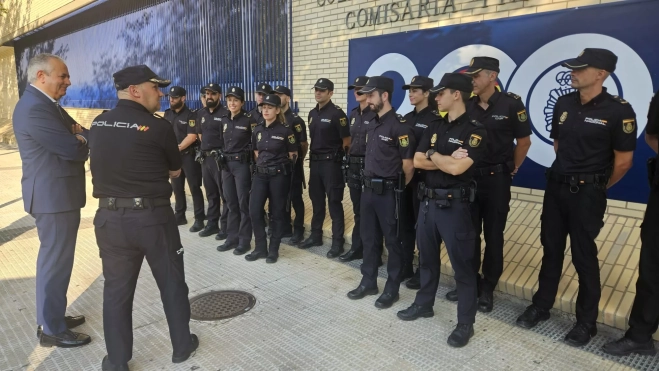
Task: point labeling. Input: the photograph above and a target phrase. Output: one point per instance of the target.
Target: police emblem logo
(522, 116)
(298, 128)
(433, 139)
(225, 128)
(291, 138)
(352, 122)
(203, 119)
(321, 80)
(475, 140)
(254, 125)
(628, 126)
(563, 118)
(258, 137)
(172, 90)
(413, 78)
(233, 90)
(262, 86)
(404, 141)
(343, 121)
(357, 80)
(191, 123)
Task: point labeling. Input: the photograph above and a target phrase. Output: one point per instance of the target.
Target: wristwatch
(430, 153)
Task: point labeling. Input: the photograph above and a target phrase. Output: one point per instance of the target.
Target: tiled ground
(302, 319)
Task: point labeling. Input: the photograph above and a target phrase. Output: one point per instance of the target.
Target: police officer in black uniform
(330, 137)
(135, 153)
(362, 119)
(183, 121)
(237, 126)
(418, 119)
(644, 317)
(389, 167)
(594, 137)
(275, 149)
(261, 91)
(446, 192)
(295, 123)
(506, 121)
(209, 129)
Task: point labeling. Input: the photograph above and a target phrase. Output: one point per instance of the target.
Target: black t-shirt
(273, 142)
(237, 132)
(327, 126)
(445, 138)
(210, 128)
(256, 114)
(505, 120)
(588, 133)
(132, 152)
(183, 122)
(361, 121)
(388, 143)
(419, 121)
(652, 127)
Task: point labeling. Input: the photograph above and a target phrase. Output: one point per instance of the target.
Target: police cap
(264, 88)
(324, 84)
(422, 82)
(135, 75)
(378, 82)
(176, 92)
(360, 81)
(214, 87)
(590, 57)
(454, 81)
(478, 64)
(272, 100)
(281, 89)
(237, 92)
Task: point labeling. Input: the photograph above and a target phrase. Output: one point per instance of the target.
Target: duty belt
(211, 152)
(325, 157)
(357, 160)
(274, 170)
(138, 203)
(491, 170)
(387, 184)
(578, 179)
(461, 193)
(240, 156)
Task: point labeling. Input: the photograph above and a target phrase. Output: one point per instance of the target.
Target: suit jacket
(53, 158)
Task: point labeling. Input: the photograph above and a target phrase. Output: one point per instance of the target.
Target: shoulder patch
(191, 123)
(476, 123)
(401, 119)
(291, 139)
(475, 140)
(619, 100)
(513, 95)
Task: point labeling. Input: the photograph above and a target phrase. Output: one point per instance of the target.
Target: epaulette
(337, 106)
(248, 114)
(401, 118)
(194, 110)
(158, 116)
(476, 123)
(619, 100)
(513, 95)
(434, 112)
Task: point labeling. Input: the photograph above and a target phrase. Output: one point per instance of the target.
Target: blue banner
(530, 50)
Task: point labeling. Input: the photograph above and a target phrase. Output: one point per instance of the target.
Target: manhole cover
(216, 305)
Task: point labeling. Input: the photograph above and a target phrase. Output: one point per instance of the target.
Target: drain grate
(217, 305)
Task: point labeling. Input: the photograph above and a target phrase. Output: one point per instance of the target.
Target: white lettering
(385, 139)
(595, 121)
(325, 120)
(276, 137)
(454, 141)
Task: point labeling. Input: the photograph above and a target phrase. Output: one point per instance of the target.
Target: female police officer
(235, 161)
(274, 146)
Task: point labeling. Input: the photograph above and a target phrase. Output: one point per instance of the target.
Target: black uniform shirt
(183, 122)
(652, 127)
(505, 119)
(210, 127)
(296, 124)
(588, 133)
(389, 142)
(328, 126)
(445, 138)
(256, 114)
(419, 121)
(273, 142)
(361, 121)
(237, 132)
(133, 152)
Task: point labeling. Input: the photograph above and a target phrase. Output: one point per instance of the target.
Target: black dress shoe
(71, 322)
(181, 221)
(221, 236)
(271, 259)
(580, 334)
(209, 230)
(414, 312)
(227, 246)
(311, 241)
(452, 295)
(241, 250)
(461, 335)
(414, 283)
(297, 237)
(386, 300)
(627, 346)
(178, 358)
(351, 255)
(255, 255)
(531, 316)
(335, 251)
(362, 291)
(197, 226)
(107, 366)
(486, 301)
(66, 339)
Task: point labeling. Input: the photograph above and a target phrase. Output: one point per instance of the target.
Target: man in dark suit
(53, 151)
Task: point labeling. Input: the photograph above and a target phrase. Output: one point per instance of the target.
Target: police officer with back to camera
(389, 167)
(594, 137)
(330, 138)
(295, 123)
(135, 153)
(261, 91)
(418, 119)
(362, 119)
(506, 121)
(209, 129)
(644, 317)
(235, 161)
(183, 121)
(446, 193)
(276, 152)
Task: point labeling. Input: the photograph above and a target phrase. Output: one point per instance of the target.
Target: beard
(376, 108)
(176, 106)
(210, 103)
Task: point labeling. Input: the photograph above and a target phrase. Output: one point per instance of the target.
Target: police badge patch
(628, 126)
(404, 141)
(521, 115)
(352, 122)
(563, 118)
(191, 123)
(203, 119)
(225, 128)
(291, 138)
(433, 139)
(343, 121)
(475, 140)
(258, 137)
(298, 128)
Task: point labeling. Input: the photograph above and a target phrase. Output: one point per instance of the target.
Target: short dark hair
(384, 91)
(465, 95)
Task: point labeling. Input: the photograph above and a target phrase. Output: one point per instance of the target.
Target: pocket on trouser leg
(336, 193)
(465, 240)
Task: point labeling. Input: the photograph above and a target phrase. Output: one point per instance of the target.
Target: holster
(199, 156)
(378, 186)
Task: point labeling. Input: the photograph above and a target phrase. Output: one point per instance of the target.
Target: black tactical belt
(578, 179)
(462, 193)
(387, 184)
(491, 170)
(273, 170)
(240, 156)
(321, 157)
(209, 153)
(139, 203)
(357, 160)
